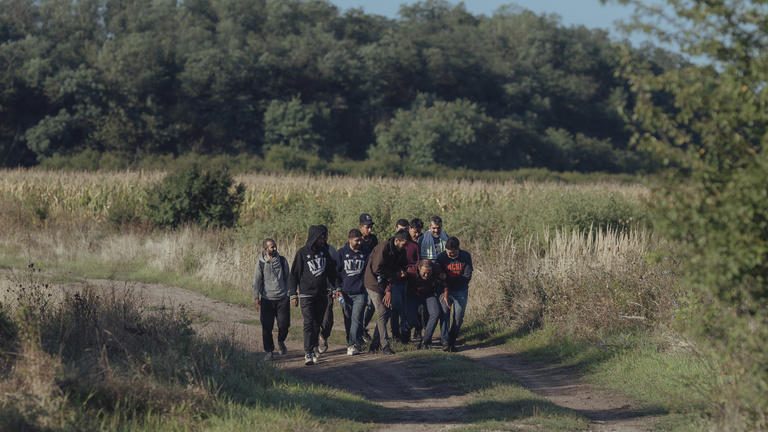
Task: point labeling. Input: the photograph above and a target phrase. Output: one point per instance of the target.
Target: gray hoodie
(271, 280)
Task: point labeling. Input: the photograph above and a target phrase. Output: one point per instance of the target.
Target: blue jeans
(433, 307)
(354, 309)
(398, 312)
(457, 305)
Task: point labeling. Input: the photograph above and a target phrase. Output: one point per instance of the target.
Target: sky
(590, 13)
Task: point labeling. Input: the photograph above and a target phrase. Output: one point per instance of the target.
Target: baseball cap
(366, 219)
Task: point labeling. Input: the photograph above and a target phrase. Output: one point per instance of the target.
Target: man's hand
(444, 298)
(387, 300)
(257, 303)
(295, 301)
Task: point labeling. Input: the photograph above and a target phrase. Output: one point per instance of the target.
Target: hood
(315, 231)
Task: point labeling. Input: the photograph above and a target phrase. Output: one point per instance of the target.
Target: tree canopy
(139, 77)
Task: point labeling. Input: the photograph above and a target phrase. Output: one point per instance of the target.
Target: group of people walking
(408, 283)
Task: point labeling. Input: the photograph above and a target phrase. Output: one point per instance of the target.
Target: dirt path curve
(413, 404)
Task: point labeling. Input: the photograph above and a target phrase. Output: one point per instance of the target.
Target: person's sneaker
(373, 349)
(387, 350)
(283, 348)
(268, 356)
(315, 359)
(308, 359)
(322, 347)
(450, 348)
(352, 350)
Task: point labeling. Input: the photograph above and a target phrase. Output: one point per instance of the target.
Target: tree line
(267, 77)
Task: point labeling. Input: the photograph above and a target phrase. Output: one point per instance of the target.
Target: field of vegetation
(567, 265)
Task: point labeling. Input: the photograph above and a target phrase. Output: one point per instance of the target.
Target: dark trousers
(432, 306)
(312, 310)
(327, 325)
(270, 311)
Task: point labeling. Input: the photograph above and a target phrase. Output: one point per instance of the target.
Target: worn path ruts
(391, 382)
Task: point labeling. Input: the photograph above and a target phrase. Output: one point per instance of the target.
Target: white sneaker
(352, 350)
(322, 347)
(308, 359)
(268, 356)
(315, 359)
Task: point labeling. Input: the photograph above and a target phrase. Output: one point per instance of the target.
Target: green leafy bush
(207, 198)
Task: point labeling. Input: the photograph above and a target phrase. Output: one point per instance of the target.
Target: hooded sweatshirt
(351, 269)
(458, 271)
(384, 266)
(313, 270)
(271, 279)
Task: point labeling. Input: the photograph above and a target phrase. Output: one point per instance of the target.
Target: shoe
(308, 359)
(450, 348)
(322, 347)
(367, 337)
(404, 338)
(373, 349)
(352, 350)
(387, 350)
(283, 348)
(315, 359)
(268, 356)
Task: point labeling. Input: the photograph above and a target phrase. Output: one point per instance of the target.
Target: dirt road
(390, 381)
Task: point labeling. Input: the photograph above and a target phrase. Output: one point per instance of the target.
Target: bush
(206, 198)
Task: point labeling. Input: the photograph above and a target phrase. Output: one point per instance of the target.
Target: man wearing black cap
(366, 227)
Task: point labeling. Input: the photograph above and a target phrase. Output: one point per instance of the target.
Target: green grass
(496, 401)
(654, 368)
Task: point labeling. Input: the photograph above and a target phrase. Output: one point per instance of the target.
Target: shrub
(207, 198)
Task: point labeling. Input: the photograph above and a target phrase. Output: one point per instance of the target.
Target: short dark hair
(354, 233)
(403, 222)
(452, 243)
(425, 263)
(267, 240)
(437, 220)
(402, 235)
(417, 223)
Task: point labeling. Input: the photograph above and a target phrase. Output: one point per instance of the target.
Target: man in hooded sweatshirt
(351, 292)
(386, 265)
(326, 326)
(270, 293)
(313, 273)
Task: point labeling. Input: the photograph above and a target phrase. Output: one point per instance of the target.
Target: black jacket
(313, 271)
(384, 266)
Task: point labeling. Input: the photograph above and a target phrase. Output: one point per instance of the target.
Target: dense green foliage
(715, 203)
(439, 84)
(204, 197)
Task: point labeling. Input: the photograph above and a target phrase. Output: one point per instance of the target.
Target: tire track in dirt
(410, 402)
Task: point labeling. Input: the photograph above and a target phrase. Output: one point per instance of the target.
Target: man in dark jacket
(326, 326)
(312, 274)
(351, 292)
(425, 282)
(369, 242)
(415, 228)
(386, 264)
(457, 266)
(270, 292)
(398, 321)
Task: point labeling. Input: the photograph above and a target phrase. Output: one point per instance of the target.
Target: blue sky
(590, 13)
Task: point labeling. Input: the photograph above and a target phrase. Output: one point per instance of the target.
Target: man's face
(355, 243)
(425, 272)
(271, 249)
(452, 253)
(435, 229)
(321, 240)
(415, 233)
(399, 243)
(366, 229)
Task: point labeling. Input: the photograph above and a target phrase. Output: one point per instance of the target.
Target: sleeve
(339, 272)
(467, 274)
(378, 268)
(258, 281)
(331, 274)
(293, 281)
(286, 269)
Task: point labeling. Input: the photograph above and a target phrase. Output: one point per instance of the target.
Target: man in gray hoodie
(270, 292)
